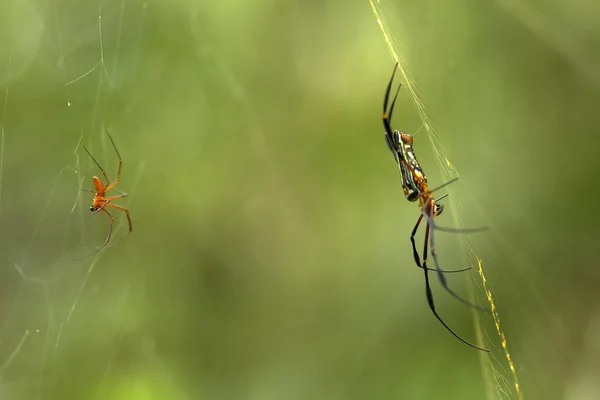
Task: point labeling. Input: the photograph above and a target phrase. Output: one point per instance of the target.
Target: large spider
(414, 185)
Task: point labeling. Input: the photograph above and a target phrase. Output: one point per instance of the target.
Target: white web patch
(55, 67)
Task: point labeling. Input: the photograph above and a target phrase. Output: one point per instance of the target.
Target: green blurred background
(270, 254)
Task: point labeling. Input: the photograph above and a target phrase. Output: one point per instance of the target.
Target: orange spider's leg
(126, 211)
(112, 220)
(96, 162)
(112, 185)
(109, 198)
(120, 164)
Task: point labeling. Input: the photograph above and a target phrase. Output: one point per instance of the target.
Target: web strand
(449, 168)
(6, 93)
(47, 299)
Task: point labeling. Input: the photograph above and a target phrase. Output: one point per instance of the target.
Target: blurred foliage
(270, 254)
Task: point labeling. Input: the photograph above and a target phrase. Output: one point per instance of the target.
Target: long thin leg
(441, 198)
(394, 103)
(442, 278)
(416, 253)
(101, 169)
(429, 296)
(440, 186)
(386, 121)
(458, 230)
(437, 227)
(109, 198)
(120, 164)
(389, 134)
(112, 220)
(120, 192)
(126, 211)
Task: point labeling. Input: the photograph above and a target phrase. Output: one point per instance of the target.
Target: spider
(414, 185)
(101, 202)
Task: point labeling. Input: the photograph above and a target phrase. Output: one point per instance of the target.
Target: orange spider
(101, 202)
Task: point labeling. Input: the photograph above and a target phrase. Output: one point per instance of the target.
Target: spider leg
(441, 198)
(116, 151)
(109, 198)
(454, 230)
(110, 186)
(394, 103)
(442, 278)
(386, 121)
(112, 220)
(430, 302)
(416, 253)
(120, 192)
(435, 189)
(126, 211)
(458, 230)
(446, 229)
(96, 162)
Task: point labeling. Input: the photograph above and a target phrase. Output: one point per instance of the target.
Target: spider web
(68, 70)
(254, 262)
(499, 367)
(483, 81)
(75, 327)
(80, 64)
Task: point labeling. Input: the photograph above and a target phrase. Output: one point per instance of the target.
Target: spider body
(101, 202)
(414, 181)
(414, 185)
